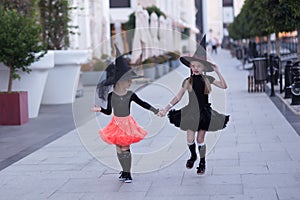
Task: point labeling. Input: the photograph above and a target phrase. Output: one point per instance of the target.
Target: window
(227, 3)
(119, 3)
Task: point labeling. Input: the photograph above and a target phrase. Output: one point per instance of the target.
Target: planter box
(150, 72)
(63, 79)
(166, 67)
(92, 77)
(33, 83)
(159, 70)
(13, 108)
(174, 64)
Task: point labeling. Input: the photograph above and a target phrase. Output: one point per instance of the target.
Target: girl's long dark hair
(103, 90)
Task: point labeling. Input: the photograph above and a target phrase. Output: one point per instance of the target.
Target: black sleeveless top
(196, 95)
(121, 104)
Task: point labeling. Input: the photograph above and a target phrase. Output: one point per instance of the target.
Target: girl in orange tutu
(122, 130)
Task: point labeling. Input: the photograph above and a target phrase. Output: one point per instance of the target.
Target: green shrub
(20, 42)
(161, 59)
(24, 7)
(99, 65)
(55, 19)
(130, 24)
(104, 56)
(149, 62)
(174, 55)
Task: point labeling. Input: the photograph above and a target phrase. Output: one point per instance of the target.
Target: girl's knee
(125, 148)
(190, 136)
(122, 148)
(200, 140)
(201, 136)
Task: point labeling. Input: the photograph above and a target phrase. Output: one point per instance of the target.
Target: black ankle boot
(190, 162)
(128, 178)
(201, 167)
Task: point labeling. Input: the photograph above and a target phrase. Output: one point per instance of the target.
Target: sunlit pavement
(256, 157)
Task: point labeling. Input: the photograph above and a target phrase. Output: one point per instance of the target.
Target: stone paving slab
(255, 157)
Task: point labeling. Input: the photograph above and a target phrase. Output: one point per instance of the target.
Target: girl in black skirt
(197, 115)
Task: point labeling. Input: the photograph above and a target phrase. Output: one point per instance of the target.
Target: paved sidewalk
(16, 142)
(256, 157)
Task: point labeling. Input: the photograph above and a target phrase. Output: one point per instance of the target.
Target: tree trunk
(261, 50)
(269, 44)
(11, 74)
(277, 45)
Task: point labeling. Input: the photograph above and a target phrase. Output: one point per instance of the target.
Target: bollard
(288, 79)
(295, 87)
(271, 75)
(251, 83)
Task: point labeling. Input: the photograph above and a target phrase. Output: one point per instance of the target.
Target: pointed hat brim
(186, 60)
(129, 75)
(199, 56)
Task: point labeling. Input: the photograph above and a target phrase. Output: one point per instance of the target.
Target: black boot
(128, 178)
(201, 167)
(190, 162)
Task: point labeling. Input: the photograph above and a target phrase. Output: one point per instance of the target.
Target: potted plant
(160, 65)
(63, 79)
(174, 59)
(166, 64)
(20, 47)
(92, 72)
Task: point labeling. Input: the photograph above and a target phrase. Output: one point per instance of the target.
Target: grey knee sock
(202, 152)
(125, 160)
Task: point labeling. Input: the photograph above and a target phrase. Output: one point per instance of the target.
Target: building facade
(99, 22)
(217, 15)
(92, 19)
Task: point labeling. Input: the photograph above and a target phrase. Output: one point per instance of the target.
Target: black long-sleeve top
(121, 104)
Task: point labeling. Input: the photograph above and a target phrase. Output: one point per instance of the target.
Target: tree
(130, 24)
(54, 18)
(293, 19)
(263, 17)
(24, 7)
(20, 42)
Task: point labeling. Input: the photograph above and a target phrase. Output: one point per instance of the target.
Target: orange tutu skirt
(122, 131)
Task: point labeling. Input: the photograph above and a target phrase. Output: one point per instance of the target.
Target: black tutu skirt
(206, 118)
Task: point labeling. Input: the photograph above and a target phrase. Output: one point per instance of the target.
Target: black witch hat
(115, 72)
(199, 56)
(123, 71)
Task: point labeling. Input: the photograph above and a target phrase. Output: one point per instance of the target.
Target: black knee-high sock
(202, 152)
(192, 148)
(125, 160)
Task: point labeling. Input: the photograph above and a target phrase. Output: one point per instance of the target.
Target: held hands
(162, 113)
(96, 109)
